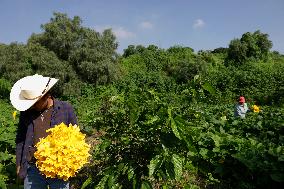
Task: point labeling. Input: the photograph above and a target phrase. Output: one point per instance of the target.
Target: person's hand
(19, 180)
(18, 170)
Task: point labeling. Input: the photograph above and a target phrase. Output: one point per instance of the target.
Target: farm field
(156, 118)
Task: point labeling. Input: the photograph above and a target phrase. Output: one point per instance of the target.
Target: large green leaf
(102, 183)
(178, 164)
(155, 164)
(279, 177)
(130, 173)
(170, 169)
(146, 185)
(87, 183)
(206, 86)
(173, 124)
(175, 129)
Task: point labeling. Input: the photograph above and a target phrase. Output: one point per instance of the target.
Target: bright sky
(199, 24)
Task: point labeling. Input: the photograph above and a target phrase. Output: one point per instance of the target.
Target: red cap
(242, 99)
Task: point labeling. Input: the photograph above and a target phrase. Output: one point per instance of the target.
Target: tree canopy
(251, 46)
(91, 54)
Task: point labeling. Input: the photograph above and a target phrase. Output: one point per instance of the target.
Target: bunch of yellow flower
(255, 108)
(63, 152)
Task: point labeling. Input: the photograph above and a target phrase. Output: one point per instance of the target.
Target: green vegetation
(7, 145)
(157, 118)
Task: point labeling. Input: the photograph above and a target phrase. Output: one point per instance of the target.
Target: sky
(199, 24)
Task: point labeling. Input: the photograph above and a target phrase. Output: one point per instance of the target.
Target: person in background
(241, 108)
(39, 111)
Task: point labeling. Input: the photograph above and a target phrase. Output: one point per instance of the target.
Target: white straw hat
(28, 90)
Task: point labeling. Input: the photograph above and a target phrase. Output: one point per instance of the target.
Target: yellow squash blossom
(14, 114)
(255, 108)
(63, 152)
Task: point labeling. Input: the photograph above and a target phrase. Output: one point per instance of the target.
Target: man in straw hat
(39, 112)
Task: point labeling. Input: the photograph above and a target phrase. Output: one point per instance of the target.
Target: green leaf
(105, 144)
(203, 152)
(161, 174)
(206, 86)
(155, 164)
(146, 185)
(278, 149)
(178, 164)
(259, 123)
(281, 158)
(192, 150)
(3, 179)
(164, 187)
(4, 156)
(195, 78)
(222, 130)
(170, 169)
(170, 113)
(120, 167)
(175, 129)
(134, 113)
(130, 173)
(134, 183)
(217, 140)
(181, 123)
(87, 182)
(152, 120)
(235, 122)
(111, 181)
(279, 177)
(102, 183)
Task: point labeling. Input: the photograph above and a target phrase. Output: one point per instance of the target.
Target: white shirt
(241, 110)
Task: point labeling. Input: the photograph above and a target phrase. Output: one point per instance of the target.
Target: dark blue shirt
(62, 112)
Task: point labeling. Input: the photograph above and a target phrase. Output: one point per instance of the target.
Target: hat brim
(21, 103)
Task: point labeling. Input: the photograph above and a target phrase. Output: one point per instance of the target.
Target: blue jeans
(35, 180)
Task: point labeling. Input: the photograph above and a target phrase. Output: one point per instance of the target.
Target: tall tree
(61, 35)
(251, 46)
(92, 54)
(18, 60)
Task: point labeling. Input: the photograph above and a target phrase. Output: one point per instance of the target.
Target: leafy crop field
(156, 118)
(7, 145)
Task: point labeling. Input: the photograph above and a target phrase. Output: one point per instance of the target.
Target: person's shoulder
(63, 104)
